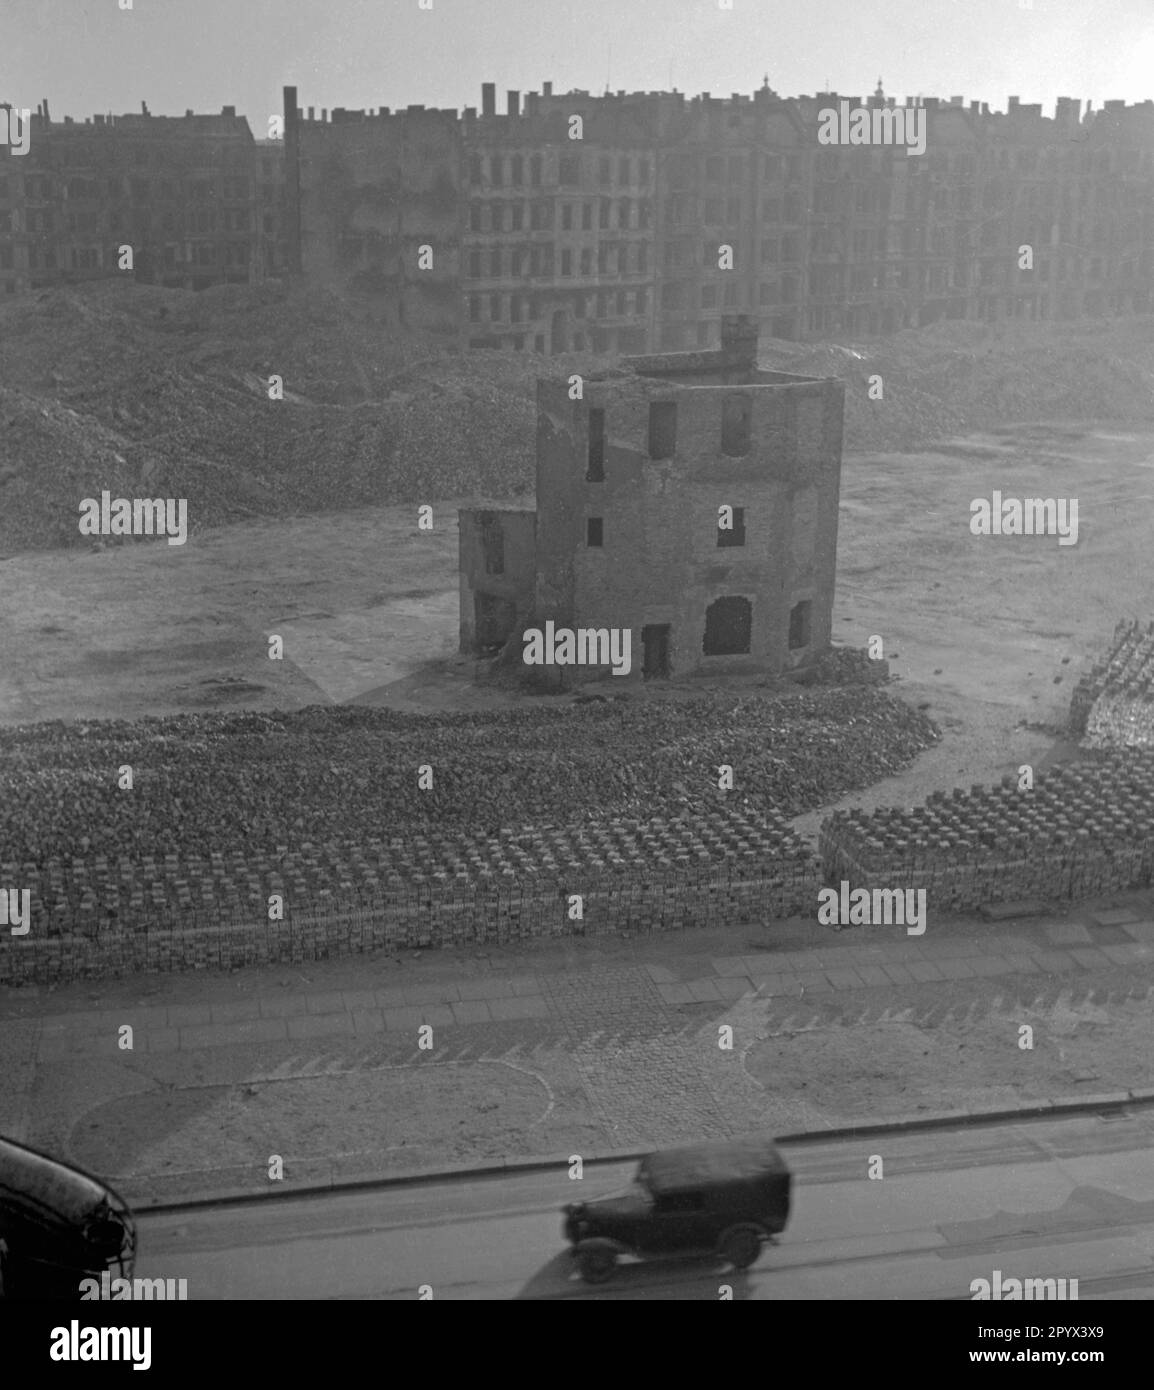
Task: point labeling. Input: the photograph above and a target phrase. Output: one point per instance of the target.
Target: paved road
(1043, 1199)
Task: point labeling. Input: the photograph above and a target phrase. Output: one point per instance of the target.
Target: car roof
(56, 1192)
(730, 1160)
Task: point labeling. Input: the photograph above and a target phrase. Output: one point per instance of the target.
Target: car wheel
(596, 1263)
(740, 1246)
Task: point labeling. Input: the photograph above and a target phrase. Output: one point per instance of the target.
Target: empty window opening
(492, 544)
(662, 429)
(735, 416)
(594, 530)
(799, 624)
(596, 470)
(735, 533)
(655, 642)
(728, 622)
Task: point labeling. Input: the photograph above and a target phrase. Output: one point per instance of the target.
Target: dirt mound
(157, 392)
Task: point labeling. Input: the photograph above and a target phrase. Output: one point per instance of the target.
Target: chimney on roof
(228, 110)
(47, 117)
(188, 114)
(513, 103)
(144, 108)
(739, 334)
(1013, 103)
(291, 110)
(547, 89)
(488, 98)
(311, 110)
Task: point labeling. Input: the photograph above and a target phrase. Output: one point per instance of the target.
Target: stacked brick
(736, 865)
(1083, 830)
(1113, 704)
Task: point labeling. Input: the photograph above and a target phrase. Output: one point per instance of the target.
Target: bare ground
(989, 633)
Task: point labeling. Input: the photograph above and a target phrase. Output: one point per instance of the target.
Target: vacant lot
(990, 632)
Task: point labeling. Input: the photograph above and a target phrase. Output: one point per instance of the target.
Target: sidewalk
(571, 1046)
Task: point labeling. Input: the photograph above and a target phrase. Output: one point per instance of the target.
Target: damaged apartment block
(688, 497)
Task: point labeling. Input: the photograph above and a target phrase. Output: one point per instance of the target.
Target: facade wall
(826, 239)
(373, 191)
(610, 243)
(502, 573)
(183, 191)
(558, 232)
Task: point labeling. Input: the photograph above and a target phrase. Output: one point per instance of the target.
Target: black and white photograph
(576, 667)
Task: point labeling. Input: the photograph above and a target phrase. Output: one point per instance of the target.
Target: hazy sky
(90, 56)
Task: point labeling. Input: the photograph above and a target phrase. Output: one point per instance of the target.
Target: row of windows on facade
(683, 209)
(728, 629)
(539, 216)
(167, 224)
(863, 241)
(234, 254)
(838, 202)
(736, 414)
(42, 188)
(510, 170)
(729, 620)
(515, 308)
(727, 536)
(838, 280)
(686, 169)
(612, 258)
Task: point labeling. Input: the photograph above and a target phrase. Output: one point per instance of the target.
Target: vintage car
(724, 1198)
(58, 1225)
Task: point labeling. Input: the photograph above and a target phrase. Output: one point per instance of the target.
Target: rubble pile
(1082, 830)
(226, 809)
(1113, 704)
(148, 391)
(955, 377)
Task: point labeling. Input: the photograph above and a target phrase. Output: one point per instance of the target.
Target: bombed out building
(689, 498)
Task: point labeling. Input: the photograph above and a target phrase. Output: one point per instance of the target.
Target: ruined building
(501, 229)
(690, 498)
(613, 242)
(197, 199)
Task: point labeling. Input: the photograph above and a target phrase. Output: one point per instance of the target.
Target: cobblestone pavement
(570, 1047)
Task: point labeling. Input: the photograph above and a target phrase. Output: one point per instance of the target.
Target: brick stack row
(737, 864)
(1083, 830)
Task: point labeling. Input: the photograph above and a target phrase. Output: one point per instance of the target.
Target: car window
(672, 1202)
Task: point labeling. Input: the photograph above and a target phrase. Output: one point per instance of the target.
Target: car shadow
(694, 1278)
